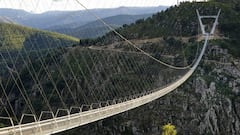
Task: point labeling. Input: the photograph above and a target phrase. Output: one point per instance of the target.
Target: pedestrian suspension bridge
(60, 89)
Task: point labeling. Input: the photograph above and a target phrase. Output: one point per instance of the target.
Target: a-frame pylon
(200, 17)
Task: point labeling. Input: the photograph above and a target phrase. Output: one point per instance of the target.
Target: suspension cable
(131, 43)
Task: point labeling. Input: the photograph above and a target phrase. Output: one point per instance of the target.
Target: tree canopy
(169, 129)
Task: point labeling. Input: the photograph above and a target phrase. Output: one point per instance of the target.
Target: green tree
(169, 129)
(1, 125)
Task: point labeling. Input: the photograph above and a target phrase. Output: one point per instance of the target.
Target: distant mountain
(96, 28)
(14, 36)
(6, 20)
(14, 14)
(71, 18)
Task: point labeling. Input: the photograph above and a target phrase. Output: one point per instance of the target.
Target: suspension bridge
(71, 113)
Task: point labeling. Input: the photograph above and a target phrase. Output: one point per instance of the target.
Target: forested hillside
(108, 68)
(208, 102)
(14, 36)
(182, 21)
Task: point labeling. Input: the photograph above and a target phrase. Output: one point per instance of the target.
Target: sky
(39, 6)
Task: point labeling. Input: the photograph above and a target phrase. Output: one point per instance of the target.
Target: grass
(14, 36)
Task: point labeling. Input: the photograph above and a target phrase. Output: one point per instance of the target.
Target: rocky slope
(206, 104)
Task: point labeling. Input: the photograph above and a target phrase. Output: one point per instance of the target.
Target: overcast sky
(38, 6)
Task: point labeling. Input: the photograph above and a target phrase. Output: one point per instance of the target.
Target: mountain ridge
(6, 20)
(96, 29)
(82, 17)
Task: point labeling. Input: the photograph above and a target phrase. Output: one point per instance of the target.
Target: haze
(39, 6)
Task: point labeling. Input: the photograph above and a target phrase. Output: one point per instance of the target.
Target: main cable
(131, 43)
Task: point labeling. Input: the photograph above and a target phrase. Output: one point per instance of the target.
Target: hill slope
(207, 103)
(6, 20)
(76, 18)
(96, 28)
(177, 21)
(15, 37)
(182, 21)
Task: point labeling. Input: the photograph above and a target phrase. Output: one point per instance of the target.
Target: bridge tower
(203, 26)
